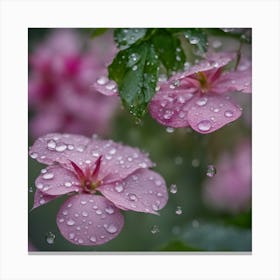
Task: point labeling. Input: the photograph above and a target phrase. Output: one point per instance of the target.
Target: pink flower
(61, 96)
(102, 177)
(230, 188)
(197, 97)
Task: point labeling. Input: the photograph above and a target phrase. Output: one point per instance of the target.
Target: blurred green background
(182, 157)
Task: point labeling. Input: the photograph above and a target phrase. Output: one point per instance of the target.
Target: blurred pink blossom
(230, 188)
(85, 168)
(61, 96)
(198, 97)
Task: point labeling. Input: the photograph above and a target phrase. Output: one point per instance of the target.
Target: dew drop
(98, 212)
(111, 229)
(71, 235)
(181, 115)
(42, 201)
(155, 229)
(83, 202)
(34, 155)
(92, 239)
(211, 171)
(48, 176)
(50, 237)
(173, 189)
(204, 125)
(110, 86)
(61, 148)
(51, 144)
(43, 171)
(158, 183)
(169, 129)
(119, 188)
(112, 151)
(134, 68)
(179, 210)
(67, 184)
(202, 101)
(30, 189)
(80, 241)
(70, 147)
(39, 186)
(102, 80)
(70, 222)
(109, 210)
(228, 114)
(84, 214)
(132, 197)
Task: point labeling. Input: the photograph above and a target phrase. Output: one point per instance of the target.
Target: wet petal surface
(87, 219)
(56, 180)
(142, 191)
(41, 198)
(210, 113)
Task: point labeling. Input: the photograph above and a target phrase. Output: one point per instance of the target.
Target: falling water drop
(155, 229)
(179, 210)
(50, 237)
(211, 171)
(173, 189)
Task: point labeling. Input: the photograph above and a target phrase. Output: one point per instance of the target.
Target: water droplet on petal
(98, 212)
(112, 151)
(202, 101)
(211, 171)
(42, 201)
(34, 155)
(102, 80)
(61, 148)
(80, 241)
(48, 176)
(110, 86)
(173, 188)
(43, 171)
(51, 144)
(155, 229)
(50, 237)
(228, 114)
(92, 239)
(169, 129)
(158, 183)
(204, 125)
(70, 147)
(109, 210)
(71, 235)
(179, 210)
(132, 197)
(119, 188)
(70, 222)
(84, 213)
(83, 202)
(111, 229)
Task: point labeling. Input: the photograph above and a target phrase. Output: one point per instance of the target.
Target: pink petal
(41, 199)
(106, 86)
(210, 113)
(234, 81)
(118, 161)
(213, 61)
(143, 191)
(87, 219)
(56, 147)
(56, 180)
(170, 107)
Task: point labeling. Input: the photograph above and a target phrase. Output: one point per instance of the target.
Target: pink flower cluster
(61, 97)
(101, 178)
(230, 189)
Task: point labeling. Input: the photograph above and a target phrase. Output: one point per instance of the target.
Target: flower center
(89, 177)
(203, 81)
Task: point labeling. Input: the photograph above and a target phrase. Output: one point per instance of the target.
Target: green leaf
(94, 32)
(197, 38)
(135, 70)
(125, 37)
(168, 47)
